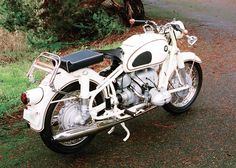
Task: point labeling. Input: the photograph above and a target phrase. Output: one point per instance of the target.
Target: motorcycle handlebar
(178, 28)
(132, 21)
(175, 26)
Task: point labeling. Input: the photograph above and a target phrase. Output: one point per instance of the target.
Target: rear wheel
(182, 101)
(64, 116)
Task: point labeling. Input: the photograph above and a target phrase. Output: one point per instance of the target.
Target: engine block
(132, 87)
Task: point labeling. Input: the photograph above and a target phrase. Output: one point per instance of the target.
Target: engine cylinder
(131, 87)
(127, 97)
(159, 98)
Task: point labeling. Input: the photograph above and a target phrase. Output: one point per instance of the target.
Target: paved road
(216, 13)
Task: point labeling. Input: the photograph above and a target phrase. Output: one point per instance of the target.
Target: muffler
(85, 131)
(97, 127)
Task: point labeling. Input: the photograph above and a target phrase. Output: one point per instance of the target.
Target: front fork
(181, 72)
(175, 63)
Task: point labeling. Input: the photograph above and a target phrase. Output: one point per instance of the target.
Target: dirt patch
(9, 119)
(5, 60)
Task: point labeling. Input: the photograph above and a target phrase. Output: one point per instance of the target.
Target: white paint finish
(190, 56)
(35, 95)
(137, 44)
(35, 114)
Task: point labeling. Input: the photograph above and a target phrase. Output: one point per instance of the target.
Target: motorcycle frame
(59, 79)
(173, 62)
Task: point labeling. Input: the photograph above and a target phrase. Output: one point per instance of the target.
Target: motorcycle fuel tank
(144, 50)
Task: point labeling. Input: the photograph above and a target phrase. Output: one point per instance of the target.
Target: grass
(15, 60)
(15, 150)
(13, 82)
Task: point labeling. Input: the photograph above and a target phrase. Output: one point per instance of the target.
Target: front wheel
(182, 101)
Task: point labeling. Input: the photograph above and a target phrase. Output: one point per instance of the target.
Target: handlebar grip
(132, 21)
(141, 21)
(178, 28)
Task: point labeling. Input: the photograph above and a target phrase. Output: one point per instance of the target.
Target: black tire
(47, 133)
(174, 109)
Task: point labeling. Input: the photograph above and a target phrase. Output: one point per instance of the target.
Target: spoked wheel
(64, 116)
(182, 101)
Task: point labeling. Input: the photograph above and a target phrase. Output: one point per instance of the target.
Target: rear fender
(35, 114)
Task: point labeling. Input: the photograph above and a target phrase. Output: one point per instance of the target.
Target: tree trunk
(129, 9)
(134, 9)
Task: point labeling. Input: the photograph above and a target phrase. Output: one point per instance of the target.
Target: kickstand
(124, 127)
(126, 130)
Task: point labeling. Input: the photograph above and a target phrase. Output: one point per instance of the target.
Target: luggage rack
(53, 69)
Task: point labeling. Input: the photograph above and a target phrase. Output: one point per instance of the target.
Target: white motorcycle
(73, 102)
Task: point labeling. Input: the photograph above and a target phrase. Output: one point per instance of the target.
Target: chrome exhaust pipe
(85, 131)
(97, 127)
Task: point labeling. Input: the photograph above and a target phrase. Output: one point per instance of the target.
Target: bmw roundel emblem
(166, 48)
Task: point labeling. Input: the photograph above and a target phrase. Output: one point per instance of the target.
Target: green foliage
(105, 24)
(58, 23)
(18, 14)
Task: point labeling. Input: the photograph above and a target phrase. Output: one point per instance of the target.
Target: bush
(58, 23)
(105, 24)
(18, 15)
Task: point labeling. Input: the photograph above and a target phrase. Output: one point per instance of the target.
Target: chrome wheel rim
(56, 125)
(183, 98)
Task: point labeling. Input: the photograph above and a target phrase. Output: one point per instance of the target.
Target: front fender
(35, 114)
(190, 56)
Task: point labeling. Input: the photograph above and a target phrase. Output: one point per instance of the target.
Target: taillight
(24, 98)
(33, 96)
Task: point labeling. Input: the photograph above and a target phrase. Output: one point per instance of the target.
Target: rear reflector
(24, 98)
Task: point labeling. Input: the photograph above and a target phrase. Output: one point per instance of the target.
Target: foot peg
(132, 114)
(125, 128)
(111, 130)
